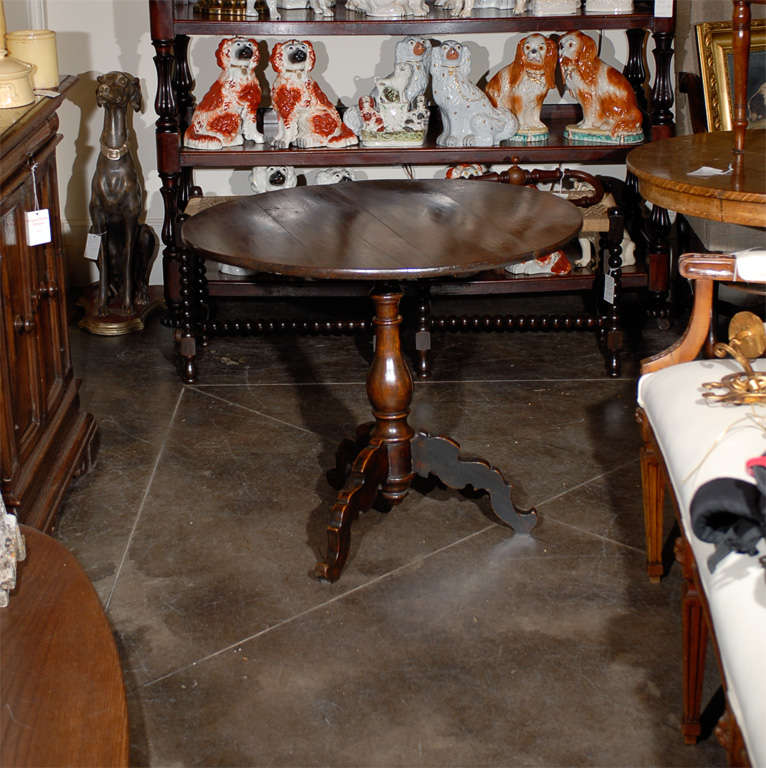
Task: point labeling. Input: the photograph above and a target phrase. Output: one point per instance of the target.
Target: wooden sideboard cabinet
(45, 439)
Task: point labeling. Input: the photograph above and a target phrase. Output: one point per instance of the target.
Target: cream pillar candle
(37, 47)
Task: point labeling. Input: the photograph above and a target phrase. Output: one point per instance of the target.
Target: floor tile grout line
(587, 482)
(582, 485)
(319, 606)
(598, 536)
(144, 497)
(282, 422)
(404, 566)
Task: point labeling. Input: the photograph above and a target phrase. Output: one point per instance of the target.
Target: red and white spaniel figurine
(227, 114)
(609, 107)
(522, 86)
(306, 118)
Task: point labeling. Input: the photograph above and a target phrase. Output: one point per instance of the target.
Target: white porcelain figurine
(465, 170)
(395, 113)
(290, 5)
(468, 117)
(610, 112)
(608, 6)
(252, 12)
(334, 176)
(463, 8)
(263, 178)
(12, 550)
(554, 7)
(388, 8)
(522, 86)
(553, 264)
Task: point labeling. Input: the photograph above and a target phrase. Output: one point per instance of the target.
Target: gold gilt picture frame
(714, 39)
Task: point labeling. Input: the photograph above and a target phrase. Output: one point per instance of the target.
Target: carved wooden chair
(687, 441)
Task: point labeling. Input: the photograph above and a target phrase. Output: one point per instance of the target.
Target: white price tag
(92, 247)
(38, 226)
(663, 8)
(608, 289)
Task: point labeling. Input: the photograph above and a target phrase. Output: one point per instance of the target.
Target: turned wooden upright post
(389, 388)
(741, 48)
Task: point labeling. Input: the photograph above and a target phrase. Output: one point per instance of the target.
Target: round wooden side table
(386, 232)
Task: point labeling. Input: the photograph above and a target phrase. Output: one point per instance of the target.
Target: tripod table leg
(358, 494)
(440, 456)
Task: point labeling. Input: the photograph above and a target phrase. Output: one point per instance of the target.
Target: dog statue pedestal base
(578, 135)
(117, 322)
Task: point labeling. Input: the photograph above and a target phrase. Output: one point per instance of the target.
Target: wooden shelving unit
(187, 284)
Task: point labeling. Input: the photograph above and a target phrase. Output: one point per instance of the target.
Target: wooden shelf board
(552, 151)
(266, 285)
(438, 22)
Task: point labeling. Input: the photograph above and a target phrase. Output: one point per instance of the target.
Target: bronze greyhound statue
(127, 246)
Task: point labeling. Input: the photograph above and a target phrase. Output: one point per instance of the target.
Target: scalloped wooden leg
(440, 456)
(346, 454)
(368, 472)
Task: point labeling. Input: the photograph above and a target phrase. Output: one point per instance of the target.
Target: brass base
(117, 322)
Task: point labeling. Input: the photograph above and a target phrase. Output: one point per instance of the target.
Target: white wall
(96, 36)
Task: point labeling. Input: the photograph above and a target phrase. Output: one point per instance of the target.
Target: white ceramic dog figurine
(266, 178)
(522, 86)
(263, 178)
(300, 4)
(610, 111)
(468, 117)
(389, 8)
(305, 116)
(227, 114)
(465, 170)
(555, 263)
(334, 176)
(252, 11)
(555, 7)
(395, 112)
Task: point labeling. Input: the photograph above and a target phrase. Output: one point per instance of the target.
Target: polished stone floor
(448, 641)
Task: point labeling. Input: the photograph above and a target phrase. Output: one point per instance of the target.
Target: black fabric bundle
(731, 513)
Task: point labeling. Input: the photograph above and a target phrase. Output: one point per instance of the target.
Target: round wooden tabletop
(61, 688)
(384, 230)
(738, 196)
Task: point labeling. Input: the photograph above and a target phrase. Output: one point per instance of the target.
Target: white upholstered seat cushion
(700, 441)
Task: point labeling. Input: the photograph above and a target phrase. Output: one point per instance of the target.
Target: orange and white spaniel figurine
(227, 114)
(305, 116)
(610, 110)
(522, 86)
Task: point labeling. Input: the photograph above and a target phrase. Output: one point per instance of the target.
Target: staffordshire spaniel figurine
(522, 86)
(227, 114)
(609, 107)
(305, 116)
(468, 117)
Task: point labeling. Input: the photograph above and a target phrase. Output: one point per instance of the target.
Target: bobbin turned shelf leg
(385, 465)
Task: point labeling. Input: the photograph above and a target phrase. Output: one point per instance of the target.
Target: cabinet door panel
(47, 279)
(20, 335)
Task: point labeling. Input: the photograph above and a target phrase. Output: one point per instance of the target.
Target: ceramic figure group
(226, 115)
(388, 8)
(395, 113)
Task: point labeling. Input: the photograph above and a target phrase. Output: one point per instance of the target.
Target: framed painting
(717, 69)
